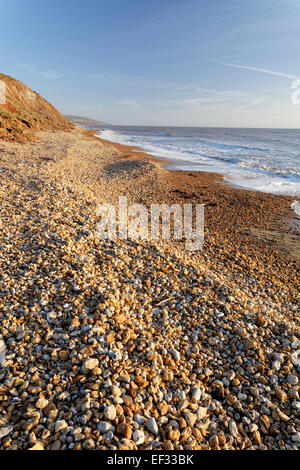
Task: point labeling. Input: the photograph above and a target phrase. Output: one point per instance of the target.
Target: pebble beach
(126, 345)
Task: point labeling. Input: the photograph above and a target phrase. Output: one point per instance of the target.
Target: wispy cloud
(104, 76)
(49, 74)
(129, 103)
(262, 70)
(46, 74)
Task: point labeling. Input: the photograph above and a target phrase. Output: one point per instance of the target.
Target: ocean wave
(271, 167)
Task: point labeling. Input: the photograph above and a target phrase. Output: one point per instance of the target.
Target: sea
(265, 160)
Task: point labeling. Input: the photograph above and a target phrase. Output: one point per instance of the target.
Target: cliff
(24, 111)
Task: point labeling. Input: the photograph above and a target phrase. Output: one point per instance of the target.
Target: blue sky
(158, 62)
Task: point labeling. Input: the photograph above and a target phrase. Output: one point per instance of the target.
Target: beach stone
(32, 422)
(214, 442)
(139, 419)
(138, 437)
(196, 394)
(89, 444)
(2, 352)
(64, 355)
(124, 377)
(296, 437)
(89, 364)
(295, 358)
(276, 365)
(148, 346)
(60, 425)
(278, 415)
(115, 391)
(56, 445)
(280, 394)
(201, 412)
(292, 379)
(5, 431)
(253, 427)
(233, 428)
(182, 405)
(125, 430)
(190, 418)
(105, 427)
(296, 405)
(175, 354)
(260, 320)
(116, 356)
(152, 426)
(174, 434)
(41, 403)
(37, 446)
(110, 412)
(257, 437)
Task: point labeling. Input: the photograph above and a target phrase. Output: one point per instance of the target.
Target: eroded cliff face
(23, 111)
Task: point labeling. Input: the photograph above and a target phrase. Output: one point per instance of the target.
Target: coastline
(142, 345)
(268, 231)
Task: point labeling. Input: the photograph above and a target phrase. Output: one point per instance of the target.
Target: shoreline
(171, 164)
(167, 163)
(141, 345)
(287, 245)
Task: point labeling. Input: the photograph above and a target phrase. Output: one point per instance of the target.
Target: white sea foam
(261, 160)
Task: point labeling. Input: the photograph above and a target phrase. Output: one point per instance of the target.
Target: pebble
(105, 427)
(196, 394)
(110, 412)
(41, 403)
(152, 426)
(292, 379)
(60, 425)
(174, 434)
(139, 419)
(233, 428)
(139, 437)
(115, 391)
(295, 358)
(2, 352)
(89, 364)
(280, 394)
(170, 350)
(37, 446)
(201, 412)
(5, 431)
(296, 437)
(253, 427)
(175, 354)
(190, 418)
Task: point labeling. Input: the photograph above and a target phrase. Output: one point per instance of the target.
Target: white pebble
(138, 437)
(110, 412)
(196, 393)
(152, 426)
(175, 354)
(105, 427)
(5, 431)
(2, 352)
